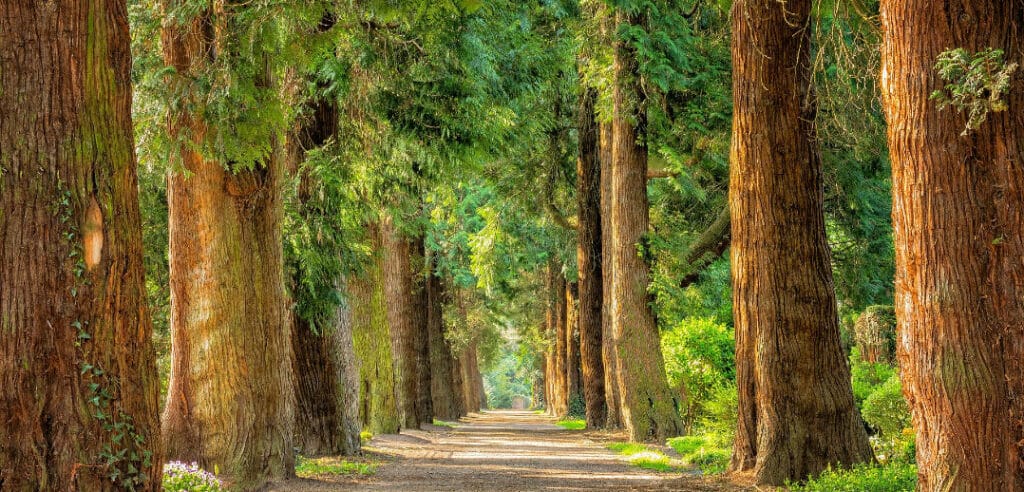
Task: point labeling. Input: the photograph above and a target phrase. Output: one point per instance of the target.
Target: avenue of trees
(237, 232)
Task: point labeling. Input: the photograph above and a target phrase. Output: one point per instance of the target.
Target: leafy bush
(894, 477)
(886, 411)
(188, 477)
(699, 359)
(719, 422)
(867, 377)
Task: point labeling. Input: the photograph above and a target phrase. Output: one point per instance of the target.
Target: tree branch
(707, 248)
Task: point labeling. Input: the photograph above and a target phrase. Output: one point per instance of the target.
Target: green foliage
(442, 423)
(702, 452)
(867, 377)
(646, 457)
(314, 467)
(975, 83)
(699, 358)
(512, 376)
(893, 477)
(886, 411)
(572, 424)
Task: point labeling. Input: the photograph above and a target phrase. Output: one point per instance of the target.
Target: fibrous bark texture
(588, 260)
(378, 408)
(648, 406)
(231, 397)
(421, 335)
(73, 310)
(608, 346)
(958, 221)
(556, 319)
(326, 372)
(443, 393)
(573, 371)
(326, 387)
(400, 305)
(796, 410)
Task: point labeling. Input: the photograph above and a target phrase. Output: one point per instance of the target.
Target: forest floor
(501, 451)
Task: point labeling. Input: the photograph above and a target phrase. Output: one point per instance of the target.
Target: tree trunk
(796, 410)
(609, 352)
(421, 336)
(401, 304)
(958, 218)
(378, 408)
(326, 372)
(557, 319)
(458, 384)
(326, 382)
(588, 258)
(231, 399)
(574, 373)
(648, 406)
(444, 398)
(73, 310)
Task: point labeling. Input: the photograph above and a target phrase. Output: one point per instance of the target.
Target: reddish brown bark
(231, 398)
(556, 319)
(588, 260)
(958, 221)
(648, 406)
(73, 309)
(401, 304)
(573, 370)
(796, 410)
(608, 346)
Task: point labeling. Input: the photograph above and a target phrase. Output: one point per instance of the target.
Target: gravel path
(503, 451)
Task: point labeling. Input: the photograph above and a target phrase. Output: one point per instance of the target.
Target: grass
(442, 423)
(313, 467)
(573, 424)
(698, 451)
(892, 477)
(646, 457)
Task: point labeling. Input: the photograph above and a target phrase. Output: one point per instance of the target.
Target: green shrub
(893, 477)
(719, 422)
(687, 444)
(699, 358)
(867, 377)
(577, 406)
(886, 411)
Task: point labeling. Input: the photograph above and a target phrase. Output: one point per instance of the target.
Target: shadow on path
(503, 450)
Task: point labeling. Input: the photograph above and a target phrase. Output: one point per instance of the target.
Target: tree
(608, 345)
(378, 407)
(326, 370)
(421, 333)
(796, 410)
(648, 407)
(959, 240)
(231, 398)
(444, 394)
(401, 304)
(77, 365)
(588, 258)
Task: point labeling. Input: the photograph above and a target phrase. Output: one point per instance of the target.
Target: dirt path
(503, 451)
